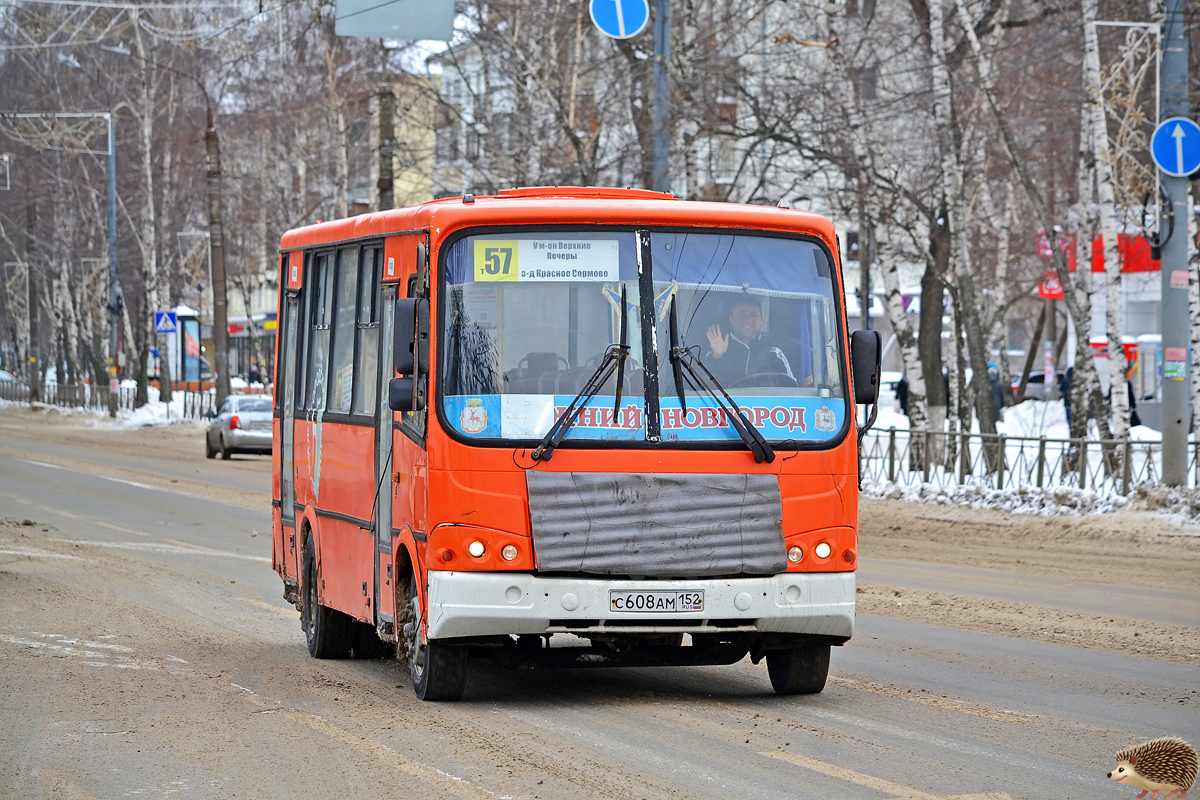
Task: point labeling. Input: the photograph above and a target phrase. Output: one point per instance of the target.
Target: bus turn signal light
(447, 555)
(476, 549)
(508, 552)
(849, 556)
(795, 554)
(823, 550)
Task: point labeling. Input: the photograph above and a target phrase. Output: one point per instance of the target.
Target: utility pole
(1176, 414)
(114, 289)
(662, 96)
(32, 301)
(387, 135)
(216, 246)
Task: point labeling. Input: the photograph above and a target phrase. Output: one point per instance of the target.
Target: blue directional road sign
(1175, 146)
(165, 322)
(620, 19)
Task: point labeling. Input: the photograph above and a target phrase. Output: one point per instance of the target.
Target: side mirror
(405, 394)
(866, 359)
(410, 350)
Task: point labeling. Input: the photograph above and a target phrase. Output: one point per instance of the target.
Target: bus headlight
(795, 554)
(476, 549)
(508, 552)
(823, 550)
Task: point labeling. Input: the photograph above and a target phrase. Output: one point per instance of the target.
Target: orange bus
(597, 412)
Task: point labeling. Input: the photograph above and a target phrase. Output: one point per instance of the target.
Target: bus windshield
(527, 317)
(758, 311)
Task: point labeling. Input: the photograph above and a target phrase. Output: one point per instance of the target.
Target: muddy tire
(209, 452)
(226, 453)
(438, 670)
(802, 670)
(326, 631)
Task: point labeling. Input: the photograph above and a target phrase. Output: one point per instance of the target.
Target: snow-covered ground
(1033, 418)
(155, 412)
(1022, 500)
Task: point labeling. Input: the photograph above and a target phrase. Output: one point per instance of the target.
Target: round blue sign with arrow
(620, 19)
(1175, 147)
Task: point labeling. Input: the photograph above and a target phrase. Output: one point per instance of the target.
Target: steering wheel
(781, 379)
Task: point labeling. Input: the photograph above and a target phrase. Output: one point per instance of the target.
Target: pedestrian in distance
(1064, 388)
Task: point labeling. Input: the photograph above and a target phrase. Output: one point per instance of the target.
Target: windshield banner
(547, 260)
(529, 416)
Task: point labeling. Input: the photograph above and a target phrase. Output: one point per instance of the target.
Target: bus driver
(746, 350)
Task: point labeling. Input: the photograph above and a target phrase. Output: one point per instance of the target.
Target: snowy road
(145, 651)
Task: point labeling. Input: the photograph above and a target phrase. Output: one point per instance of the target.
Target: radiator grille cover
(654, 524)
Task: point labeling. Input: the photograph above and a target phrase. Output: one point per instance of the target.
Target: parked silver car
(241, 425)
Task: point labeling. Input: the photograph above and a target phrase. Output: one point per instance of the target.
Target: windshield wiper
(683, 358)
(614, 359)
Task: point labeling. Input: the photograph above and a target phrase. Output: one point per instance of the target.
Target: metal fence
(1107, 467)
(79, 395)
(195, 404)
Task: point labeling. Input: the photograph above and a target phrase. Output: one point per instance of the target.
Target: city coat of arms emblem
(824, 419)
(474, 416)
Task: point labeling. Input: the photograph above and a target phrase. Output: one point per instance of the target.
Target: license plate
(655, 601)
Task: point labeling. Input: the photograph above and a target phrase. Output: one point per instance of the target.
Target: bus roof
(560, 205)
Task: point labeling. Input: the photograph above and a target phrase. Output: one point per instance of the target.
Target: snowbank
(1040, 502)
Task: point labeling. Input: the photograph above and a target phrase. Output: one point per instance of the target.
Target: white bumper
(491, 603)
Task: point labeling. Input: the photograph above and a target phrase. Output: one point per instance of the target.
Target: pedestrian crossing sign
(164, 322)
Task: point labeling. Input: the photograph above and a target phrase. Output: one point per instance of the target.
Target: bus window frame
(374, 274)
(798, 445)
(312, 286)
(332, 415)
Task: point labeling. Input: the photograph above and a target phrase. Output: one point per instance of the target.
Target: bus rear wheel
(438, 670)
(800, 670)
(326, 631)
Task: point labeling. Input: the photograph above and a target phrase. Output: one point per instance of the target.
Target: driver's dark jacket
(741, 360)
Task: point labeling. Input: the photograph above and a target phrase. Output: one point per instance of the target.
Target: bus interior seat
(527, 377)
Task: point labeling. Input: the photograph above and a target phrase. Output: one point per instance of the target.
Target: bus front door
(385, 593)
(287, 483)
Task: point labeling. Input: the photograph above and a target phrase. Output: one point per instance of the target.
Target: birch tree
(1118, 368)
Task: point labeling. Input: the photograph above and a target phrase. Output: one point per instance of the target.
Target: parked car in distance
(241, 425)
(1036, 389)
(6, 376)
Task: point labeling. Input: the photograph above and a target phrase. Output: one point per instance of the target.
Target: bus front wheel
(326, 631)
(438, 670)
(800, 670)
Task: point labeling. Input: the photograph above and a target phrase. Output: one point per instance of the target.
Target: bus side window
(319, 293)
(301, 337)
(341, 370)
(366, 371)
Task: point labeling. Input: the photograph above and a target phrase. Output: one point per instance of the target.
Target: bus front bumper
(498, 603)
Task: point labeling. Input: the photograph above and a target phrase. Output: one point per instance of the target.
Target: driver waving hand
(746, 350)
